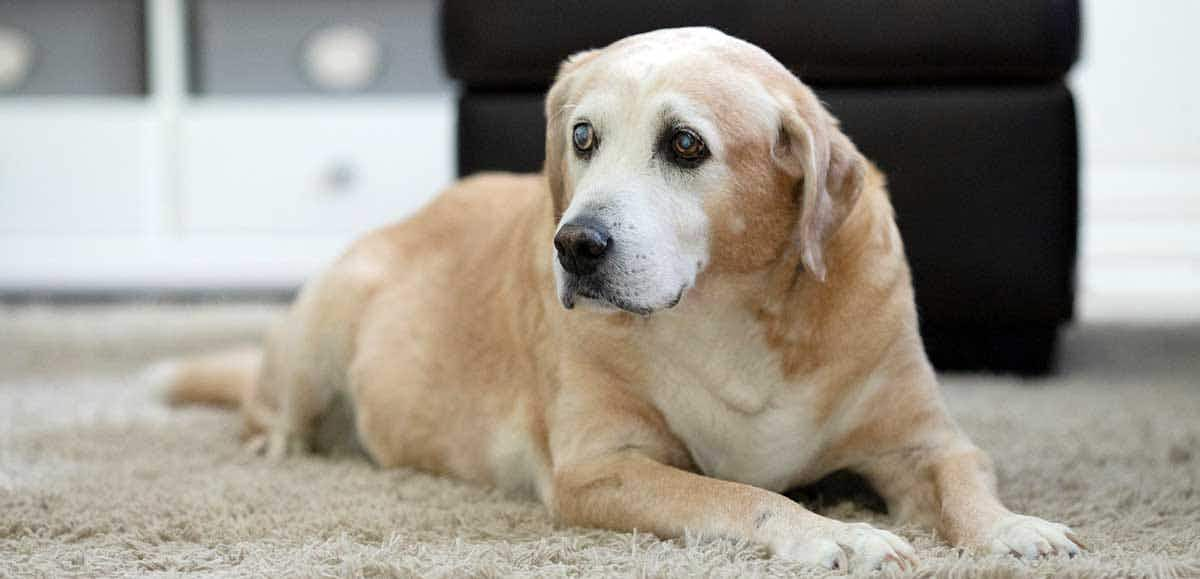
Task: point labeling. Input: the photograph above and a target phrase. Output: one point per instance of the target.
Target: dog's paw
(851, 546)
(275, 446)
(1030, 538)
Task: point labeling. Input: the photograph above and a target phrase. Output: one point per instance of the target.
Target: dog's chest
(723, 393)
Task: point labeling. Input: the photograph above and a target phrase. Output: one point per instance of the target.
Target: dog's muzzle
(593, 269)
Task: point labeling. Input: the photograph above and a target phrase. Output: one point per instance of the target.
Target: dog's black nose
(581, 246)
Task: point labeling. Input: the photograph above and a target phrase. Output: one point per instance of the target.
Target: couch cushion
(515, 43)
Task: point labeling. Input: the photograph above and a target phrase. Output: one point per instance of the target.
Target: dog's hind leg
(290, 397)
(276, 392)
(303, 367)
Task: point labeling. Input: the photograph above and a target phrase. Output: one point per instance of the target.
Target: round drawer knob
(16, 58)
(342, 58)
(339, 178)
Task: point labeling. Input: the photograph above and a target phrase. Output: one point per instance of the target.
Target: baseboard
(1140, 242)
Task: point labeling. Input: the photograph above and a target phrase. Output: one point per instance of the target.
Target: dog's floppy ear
(830, 170)
(556, 134)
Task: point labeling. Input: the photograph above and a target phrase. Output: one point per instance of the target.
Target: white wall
(1138, 85)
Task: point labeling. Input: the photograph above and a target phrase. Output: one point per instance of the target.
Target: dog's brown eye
(687, 145)
(584, 138)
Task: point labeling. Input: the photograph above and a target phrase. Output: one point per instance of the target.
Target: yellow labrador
(704, 301)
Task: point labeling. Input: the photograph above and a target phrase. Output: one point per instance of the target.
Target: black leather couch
(961, 102)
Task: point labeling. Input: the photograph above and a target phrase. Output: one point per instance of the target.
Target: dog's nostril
(595, 244)
(582, 246)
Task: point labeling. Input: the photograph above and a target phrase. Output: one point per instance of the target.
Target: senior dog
(702, 302)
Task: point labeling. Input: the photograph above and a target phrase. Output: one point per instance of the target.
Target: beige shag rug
(98, 479)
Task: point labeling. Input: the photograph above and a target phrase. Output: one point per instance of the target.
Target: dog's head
(684, 153)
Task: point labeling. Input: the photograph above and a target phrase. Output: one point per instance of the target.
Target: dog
(701, 302)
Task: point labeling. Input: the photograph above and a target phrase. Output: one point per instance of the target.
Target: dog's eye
(688, 147)
(584, 138)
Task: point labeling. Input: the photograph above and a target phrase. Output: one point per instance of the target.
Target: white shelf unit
(178, 191)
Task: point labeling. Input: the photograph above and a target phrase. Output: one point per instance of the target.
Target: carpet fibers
(98, 479)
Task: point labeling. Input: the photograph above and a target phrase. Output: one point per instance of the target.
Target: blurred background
(231, 147)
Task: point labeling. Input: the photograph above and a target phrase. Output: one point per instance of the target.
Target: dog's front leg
(929, 472)
(628, 490)
(949, 484)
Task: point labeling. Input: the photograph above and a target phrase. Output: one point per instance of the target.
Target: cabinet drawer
(71, 169)
(312, 169)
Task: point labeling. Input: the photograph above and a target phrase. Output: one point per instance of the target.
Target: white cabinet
(72, 170)
(229, 193)
(148, 183)
(311, 168)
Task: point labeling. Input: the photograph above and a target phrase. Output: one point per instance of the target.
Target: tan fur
(220, 379)
(795, 353)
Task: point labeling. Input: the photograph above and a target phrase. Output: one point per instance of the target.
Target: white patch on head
(646, 53)
(653, 211)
